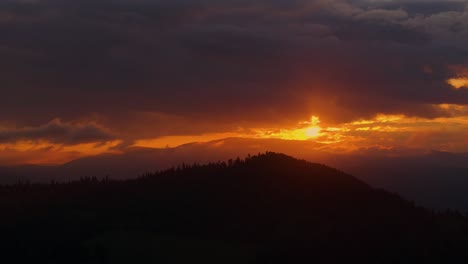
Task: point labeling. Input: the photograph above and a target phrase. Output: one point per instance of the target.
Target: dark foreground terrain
(269, 208)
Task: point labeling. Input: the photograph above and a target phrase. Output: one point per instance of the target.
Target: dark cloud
(228, 61)
(58, 132)
(423, 7)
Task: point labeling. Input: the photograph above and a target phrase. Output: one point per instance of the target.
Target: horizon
(244, 150)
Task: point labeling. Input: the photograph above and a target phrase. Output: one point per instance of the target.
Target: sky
(85, 77)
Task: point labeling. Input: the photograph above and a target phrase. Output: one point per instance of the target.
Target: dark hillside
(269, 208)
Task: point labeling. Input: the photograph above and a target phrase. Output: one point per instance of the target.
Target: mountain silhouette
(268, 208)
(432, 179)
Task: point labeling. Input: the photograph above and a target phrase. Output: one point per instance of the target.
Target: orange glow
(43, 152)
(383, 131)
(380, 118)
(460, 80)
(312, 131)
(175, 141)
(458, 83)
(304, 131)
(389, 131)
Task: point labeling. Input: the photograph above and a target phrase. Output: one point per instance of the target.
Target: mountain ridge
(272, 207)
(432, 179)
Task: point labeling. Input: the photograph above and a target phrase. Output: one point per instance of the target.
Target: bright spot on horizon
(304, 131)
(313, 131)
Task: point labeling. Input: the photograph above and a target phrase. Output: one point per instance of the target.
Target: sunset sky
(85, 77)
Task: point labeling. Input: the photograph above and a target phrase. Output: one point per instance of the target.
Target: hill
(431, 179)
(268, 208)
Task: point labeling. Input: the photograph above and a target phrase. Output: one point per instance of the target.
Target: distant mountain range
(431, 178)
(268, 208)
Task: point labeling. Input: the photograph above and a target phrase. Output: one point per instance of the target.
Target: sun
(312, 131)
(307, 130)
(304, 130)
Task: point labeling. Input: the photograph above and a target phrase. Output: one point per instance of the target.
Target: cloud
(58, 132)
(460, 78)
(383, 14)
(227, 62)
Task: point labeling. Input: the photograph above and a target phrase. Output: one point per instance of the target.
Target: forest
(267, 208)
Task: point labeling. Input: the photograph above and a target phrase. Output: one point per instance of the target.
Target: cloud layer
(151, 68)
(57, 132)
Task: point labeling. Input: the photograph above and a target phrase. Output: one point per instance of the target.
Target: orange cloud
(383, 131)
(44, 152)
(175, 141)
(305, 130)
(458, 83)
(461, 79)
